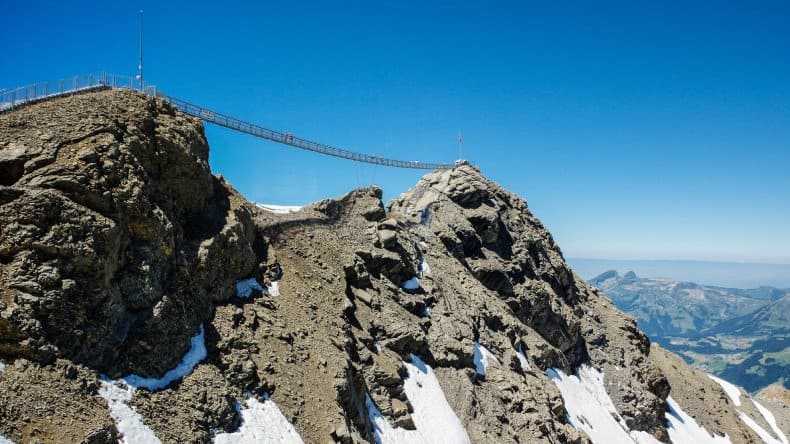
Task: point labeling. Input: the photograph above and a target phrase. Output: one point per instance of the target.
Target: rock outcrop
(117, 244)
(116, 239)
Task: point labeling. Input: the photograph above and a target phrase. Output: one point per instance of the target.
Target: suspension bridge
(13, 98)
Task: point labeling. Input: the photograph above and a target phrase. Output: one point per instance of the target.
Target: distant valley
(740, 335)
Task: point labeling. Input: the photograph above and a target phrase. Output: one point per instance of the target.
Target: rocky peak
(605, 276)
(117, 246)
(112, 224)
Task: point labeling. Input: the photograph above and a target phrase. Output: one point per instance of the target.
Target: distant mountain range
(740, 335)
(722, 274)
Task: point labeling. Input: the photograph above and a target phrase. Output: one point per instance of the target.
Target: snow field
(261, 422)
(434, 420)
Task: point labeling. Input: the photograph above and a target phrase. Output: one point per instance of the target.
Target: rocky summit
(143, 299)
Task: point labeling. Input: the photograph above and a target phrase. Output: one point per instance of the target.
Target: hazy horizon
(714, 273)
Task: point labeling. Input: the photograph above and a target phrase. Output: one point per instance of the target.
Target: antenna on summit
(460, 145)
(140, 65)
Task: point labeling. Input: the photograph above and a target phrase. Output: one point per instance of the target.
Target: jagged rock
(388, 238)
(116, 239)
(54, 403)
(116, 244)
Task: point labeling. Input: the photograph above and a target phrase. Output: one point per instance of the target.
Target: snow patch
(683, 428)
(761, 432)
(118, 391)
(246, 287)
(127, 420)
(769, 418)
(522, 358)
(481, 357)
(732, 391)
(4, 440)
(591, 410)
(424, 267)
(434, 419)
(279, 209)
(2, 369)
(196, 353)
(411, 284)
(426, 311)
(261, 422)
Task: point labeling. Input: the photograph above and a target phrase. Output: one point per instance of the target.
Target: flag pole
(460, 146)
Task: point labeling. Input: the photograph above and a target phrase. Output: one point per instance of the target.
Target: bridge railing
(14, 97)
(289, 139)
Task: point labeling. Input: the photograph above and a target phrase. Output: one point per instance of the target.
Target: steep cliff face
(117, 246)
(508, 288)
(116, 239)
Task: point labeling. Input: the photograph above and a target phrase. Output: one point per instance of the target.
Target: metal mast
(140, 66)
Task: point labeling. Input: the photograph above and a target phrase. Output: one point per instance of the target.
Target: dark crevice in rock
(214, 215)
(11, 170)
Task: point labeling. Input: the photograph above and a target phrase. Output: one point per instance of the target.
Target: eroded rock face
(115, 239)
(502, 278)
(117, 243)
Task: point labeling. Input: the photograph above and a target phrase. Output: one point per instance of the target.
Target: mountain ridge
(122, 255)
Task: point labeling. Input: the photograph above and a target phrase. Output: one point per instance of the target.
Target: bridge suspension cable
(12, 98)
(291, 140)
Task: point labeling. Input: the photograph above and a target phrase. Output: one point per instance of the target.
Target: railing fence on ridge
(13, 98)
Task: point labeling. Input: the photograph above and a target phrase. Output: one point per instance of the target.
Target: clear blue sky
(653, 130)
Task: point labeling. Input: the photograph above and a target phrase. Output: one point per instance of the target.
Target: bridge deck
(291, 140)
(12, 98)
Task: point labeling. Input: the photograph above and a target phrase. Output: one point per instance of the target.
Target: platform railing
(23, 95)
